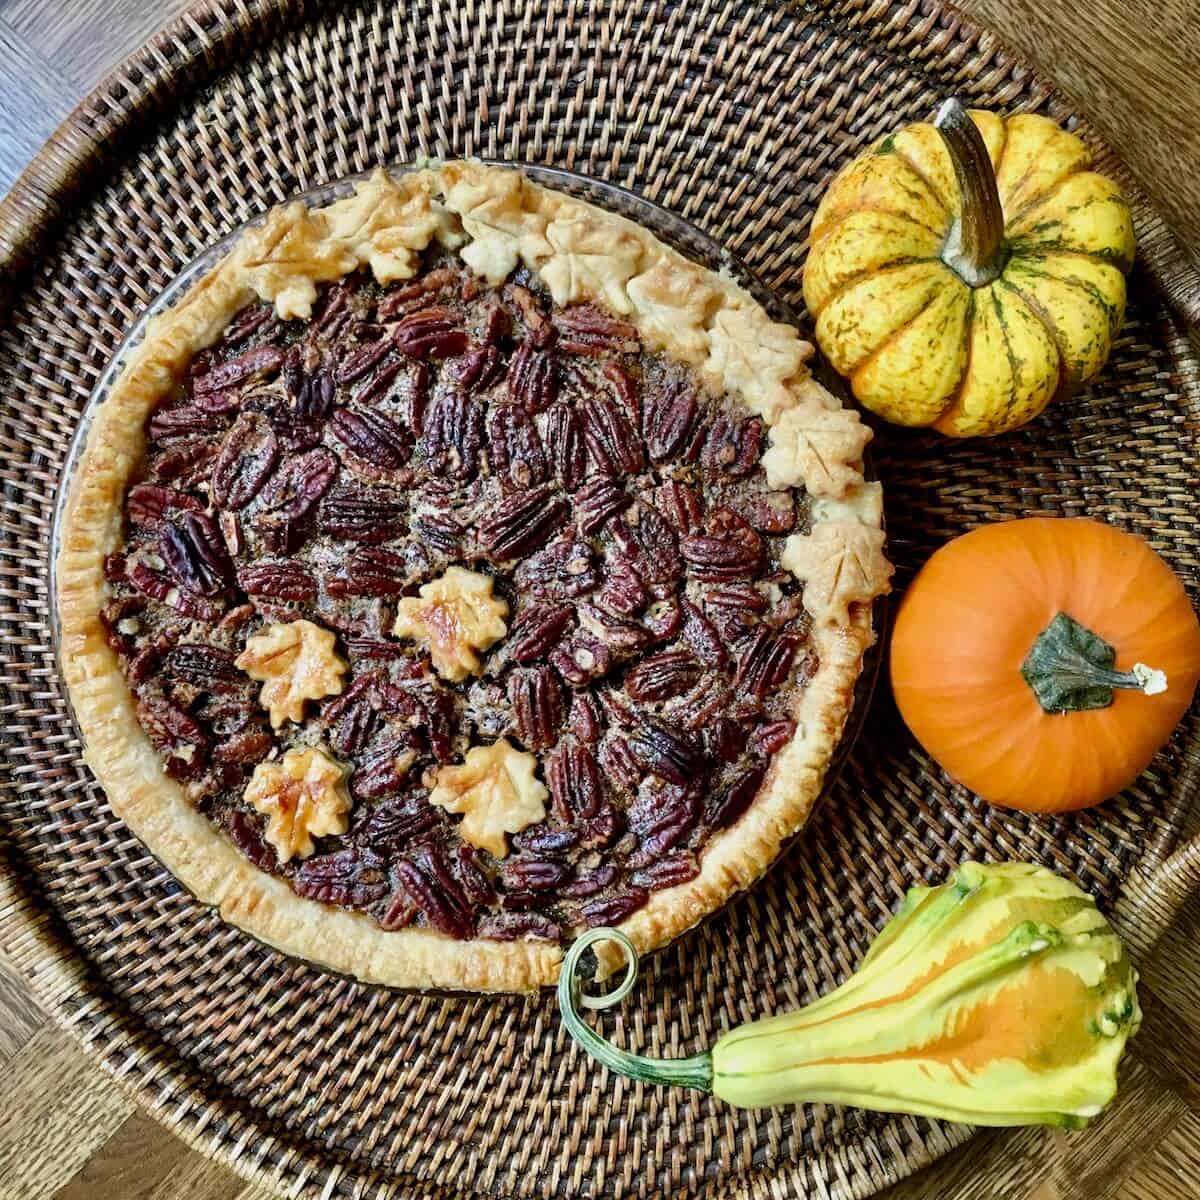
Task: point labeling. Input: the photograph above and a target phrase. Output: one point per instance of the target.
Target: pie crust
(494, 219)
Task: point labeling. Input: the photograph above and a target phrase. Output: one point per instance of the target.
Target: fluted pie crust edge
(494, 219)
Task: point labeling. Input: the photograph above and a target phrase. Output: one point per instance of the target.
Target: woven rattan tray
(733, 116)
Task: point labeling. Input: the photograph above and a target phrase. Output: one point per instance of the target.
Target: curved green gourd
(1002, 997)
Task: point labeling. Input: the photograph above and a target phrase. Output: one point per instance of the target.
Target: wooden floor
(67, 1132)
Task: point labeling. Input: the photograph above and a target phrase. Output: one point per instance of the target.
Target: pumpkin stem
(974, 247)
(1070, 669)
(694, 1072)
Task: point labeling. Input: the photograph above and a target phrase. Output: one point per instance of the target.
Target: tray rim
(32, 938)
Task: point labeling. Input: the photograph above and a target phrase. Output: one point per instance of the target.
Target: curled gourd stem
(974, 247)
(695, 1072)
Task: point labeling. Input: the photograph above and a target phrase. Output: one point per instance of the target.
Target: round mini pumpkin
(1043, 662)
(963, 274)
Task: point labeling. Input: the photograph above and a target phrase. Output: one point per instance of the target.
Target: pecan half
(680, 505)
(612, 910)
(537, 631)
(648, 543)
(436, 893)
(207, 667)
(279, 581)
(369, 517)
(522, 522)
(372, 437)
(363, 360)
(371, 571)
(671, 420)
(727, 549)
(514, 448)
(393, 824)
(536, 697)
(195, 554)
(667, 753)
(351, 718)
(669, 872)
(476, 370)
(724, 807)
(453, 435)
(623, 592)
(568, 452)
(261, 362)
(574, 782)
(533, 378)
(352, 878)
(245, 462)
(611, 439)
(430, 333)
(585, 330)
(662, 676)
(765, 663)
(598, 500)
(702, 637)
(564, 570)
(149, 503)
(169, 424)
(314, 396)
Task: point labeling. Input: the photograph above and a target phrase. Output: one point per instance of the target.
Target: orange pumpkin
(1043, 662)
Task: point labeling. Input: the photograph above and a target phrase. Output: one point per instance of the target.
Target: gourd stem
(974, 247)
(1070, 669)
(693, 1072)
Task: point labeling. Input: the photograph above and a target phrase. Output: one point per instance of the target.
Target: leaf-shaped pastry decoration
(673, 302)
(495, 790)
(755, 357)
(295, 661)
(818, 448)
(386, 223)
(287, 256)
(453, 617)
(303, 796)
(383, 225)
(840, 563)
(502, 219)
(591, 259)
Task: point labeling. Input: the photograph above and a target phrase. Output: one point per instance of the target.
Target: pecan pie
(456, 567)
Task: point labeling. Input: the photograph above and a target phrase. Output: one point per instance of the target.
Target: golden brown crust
(495, 219)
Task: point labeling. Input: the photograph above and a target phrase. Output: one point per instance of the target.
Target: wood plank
(36, 99)
(1172, 1171)
(200, 1178)
(1131, 66)
(132, 1164)
(65, 1130)
(86, 38)
(59, 1108)
(20, 1017)
(1048, 1164)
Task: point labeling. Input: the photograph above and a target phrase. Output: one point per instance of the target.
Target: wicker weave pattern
(733, 115)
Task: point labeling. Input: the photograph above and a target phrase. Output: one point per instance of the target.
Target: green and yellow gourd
(1002, 997)
(962, 274)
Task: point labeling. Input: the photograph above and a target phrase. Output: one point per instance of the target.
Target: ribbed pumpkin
(963, 274)
(1043, 662)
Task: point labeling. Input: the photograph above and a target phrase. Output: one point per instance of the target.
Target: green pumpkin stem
(974, 247)
(1070, 669)
(693, 1072)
